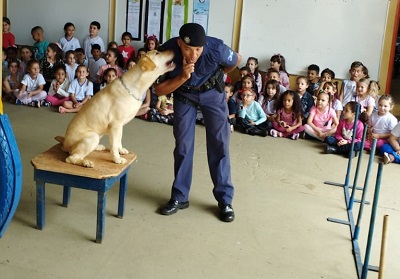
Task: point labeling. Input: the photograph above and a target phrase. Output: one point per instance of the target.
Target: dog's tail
(60, 139)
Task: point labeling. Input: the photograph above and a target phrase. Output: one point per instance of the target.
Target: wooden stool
(50, 167)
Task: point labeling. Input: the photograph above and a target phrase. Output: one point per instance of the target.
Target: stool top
(54, 160)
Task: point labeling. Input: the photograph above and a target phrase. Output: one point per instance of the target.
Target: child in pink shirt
(322, 121)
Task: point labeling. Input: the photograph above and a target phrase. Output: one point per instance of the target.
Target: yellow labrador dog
(111, 108)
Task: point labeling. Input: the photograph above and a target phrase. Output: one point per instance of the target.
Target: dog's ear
(146, 64)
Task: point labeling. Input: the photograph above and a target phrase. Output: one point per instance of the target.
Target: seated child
(251, 116)
(278, 62)
(348, 89)
(70, 65)
(164, 110)
(58, 91)
(145, 107)
(268, 101)
(109, 75)
(26, 55)
(252, 63)
(288, 116)
(52, 59)
(340, 143)
(126, 50)
(12, 81)
(31, 90)
(80, 57)
(274, 74)
(80, 91)
(232, 105)
(322, 121)
(313, 78)
(330, 88)
(362, 96)
(374, 92)
(95, 63)
(243, 71)
(247, 83)
(391, 149)
(307, 100)
(381, 123)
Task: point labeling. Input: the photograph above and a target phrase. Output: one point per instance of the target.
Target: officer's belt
(185, 100)
(190, 89)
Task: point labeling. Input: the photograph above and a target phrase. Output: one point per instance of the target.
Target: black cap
(193, 34)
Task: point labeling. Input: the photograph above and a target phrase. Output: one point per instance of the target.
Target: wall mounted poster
(177, 16)
(134, 18)
(154, 18)
(201, 10)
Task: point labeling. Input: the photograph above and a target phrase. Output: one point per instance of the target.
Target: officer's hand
(187, 69)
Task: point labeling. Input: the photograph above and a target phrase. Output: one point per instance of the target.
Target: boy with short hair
(243, 71)
(348, 89)
(93, 38)
(232, 106)
(40, 45)
(80, 57)
(274, 75)
(307, 100)
(327, 75)
(313, 78)
(95, 63)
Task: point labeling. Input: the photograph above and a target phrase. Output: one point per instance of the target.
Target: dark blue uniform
(215, 112)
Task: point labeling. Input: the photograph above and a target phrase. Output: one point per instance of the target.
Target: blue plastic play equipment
(10, 174)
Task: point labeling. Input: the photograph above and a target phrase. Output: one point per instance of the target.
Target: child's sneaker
(386, 158)
(35, 104)
(46, 103)
(274, 133)
(18, 102)
(295, 136)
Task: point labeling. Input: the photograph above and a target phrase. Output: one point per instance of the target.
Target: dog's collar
(127, 89)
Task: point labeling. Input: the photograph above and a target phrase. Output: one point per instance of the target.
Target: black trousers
(252, 129)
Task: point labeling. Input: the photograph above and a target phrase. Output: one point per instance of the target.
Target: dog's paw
(88, 164)
(120, 160)
(100, 147)
(78, 161)
(123, 151)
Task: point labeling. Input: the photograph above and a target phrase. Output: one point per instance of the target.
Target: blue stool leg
(40, 205)
(101, 213)
(66, 195)
(122, 196)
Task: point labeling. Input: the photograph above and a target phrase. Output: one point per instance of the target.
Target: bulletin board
(329, 33)
(134, 18)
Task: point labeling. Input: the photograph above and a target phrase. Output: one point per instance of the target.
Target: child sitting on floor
(164, 110)
(391, 149)
(341, 142)
(288, 116)
(381, 123)
(80, 91)
(31, 91)
(58, 91)
(268, 101)
(322, 121)
(251, 117)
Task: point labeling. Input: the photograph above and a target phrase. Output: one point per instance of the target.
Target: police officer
(197, 81)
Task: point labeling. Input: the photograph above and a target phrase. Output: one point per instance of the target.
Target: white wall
(329, 33)
(52, 15)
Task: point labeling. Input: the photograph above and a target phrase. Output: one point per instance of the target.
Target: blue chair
(10, 174)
